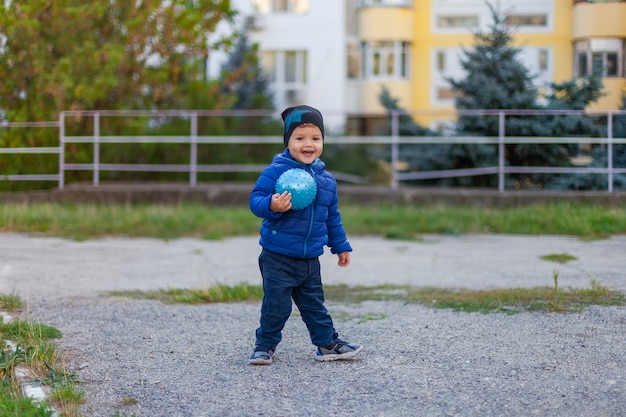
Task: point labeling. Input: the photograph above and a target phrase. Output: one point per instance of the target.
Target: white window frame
(377, 55)
(471, 26)
(590, 49)
(527, 16)
(290, 6)
(286, 92)
(379, 3)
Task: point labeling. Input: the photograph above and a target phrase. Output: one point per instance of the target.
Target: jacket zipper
(312, 217)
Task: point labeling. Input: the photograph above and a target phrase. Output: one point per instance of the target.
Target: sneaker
(337, 350)
(262, 357)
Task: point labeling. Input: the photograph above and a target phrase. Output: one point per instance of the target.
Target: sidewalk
(45, 267)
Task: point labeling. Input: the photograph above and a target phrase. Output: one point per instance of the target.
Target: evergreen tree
(243, 76)
(497, 80)
(417, 157)
(599, 159)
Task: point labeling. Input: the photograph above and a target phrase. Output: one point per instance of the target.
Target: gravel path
(145, 358)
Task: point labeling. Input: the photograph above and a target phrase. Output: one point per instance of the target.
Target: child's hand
(280, 202)
(344, 259)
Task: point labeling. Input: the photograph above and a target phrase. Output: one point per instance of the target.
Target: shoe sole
(337, 356)
(260, 361)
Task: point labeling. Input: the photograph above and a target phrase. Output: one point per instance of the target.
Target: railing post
(193, 151)
(501, 150)
(609, 150)
(61, 150)
(96, 148)
(395, 133)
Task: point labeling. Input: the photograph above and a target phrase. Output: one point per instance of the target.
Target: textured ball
(300, 184)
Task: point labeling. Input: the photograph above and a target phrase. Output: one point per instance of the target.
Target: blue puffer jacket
(299, 233)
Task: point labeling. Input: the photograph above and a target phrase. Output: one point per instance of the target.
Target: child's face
(305, 144)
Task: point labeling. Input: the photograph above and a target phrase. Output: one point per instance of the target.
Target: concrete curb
(225, 194)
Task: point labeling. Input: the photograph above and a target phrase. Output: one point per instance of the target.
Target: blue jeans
(286, 278)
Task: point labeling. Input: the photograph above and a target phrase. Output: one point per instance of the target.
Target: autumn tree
(76, 55)
(113, 55)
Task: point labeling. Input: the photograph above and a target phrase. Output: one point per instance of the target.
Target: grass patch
(27, 332)
(509, 301)
(215, 294)
(343, 316)
(34, 350)
(129, 401)
(84, 221)
(506, 300)
(561, 258)
(23, 407)
(11, 303)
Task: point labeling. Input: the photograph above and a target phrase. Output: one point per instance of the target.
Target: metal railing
(57, 177)
(394, 140)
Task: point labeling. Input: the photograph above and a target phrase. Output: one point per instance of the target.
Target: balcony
(388, 23)
(593, 19)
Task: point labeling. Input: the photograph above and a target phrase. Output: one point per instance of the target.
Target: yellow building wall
(373, 24)
(568, 21)
(613, 88)
(597, 20)
(425, 41)
(370, 91)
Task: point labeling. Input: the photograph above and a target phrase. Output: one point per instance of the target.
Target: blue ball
(300, 184)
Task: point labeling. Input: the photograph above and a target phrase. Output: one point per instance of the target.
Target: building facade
(339, 54)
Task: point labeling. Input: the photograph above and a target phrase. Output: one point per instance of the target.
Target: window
(354, 61)
(287, 71)
(581, 65)
(281, 6)
(268, 60)
(285, 67)
(457, 22)
(445, 93)
(527, 20)
(366, 3)
(441, 61)
(607, 53)
(385, 59)
(608, 61)
(543, 60)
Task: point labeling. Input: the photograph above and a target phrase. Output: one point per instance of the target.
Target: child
(292, 240)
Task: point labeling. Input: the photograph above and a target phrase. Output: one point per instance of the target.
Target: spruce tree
(242, 76)
(599, 159)
(417, 157)
(496, 79)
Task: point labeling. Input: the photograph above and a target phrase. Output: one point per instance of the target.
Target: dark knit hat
(295, 116)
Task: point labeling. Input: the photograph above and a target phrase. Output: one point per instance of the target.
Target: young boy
(292, 240)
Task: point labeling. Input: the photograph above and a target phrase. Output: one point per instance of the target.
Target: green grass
(215, 294)
(35, 350)
(561, 258)
(83, 221)
(509, 301)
